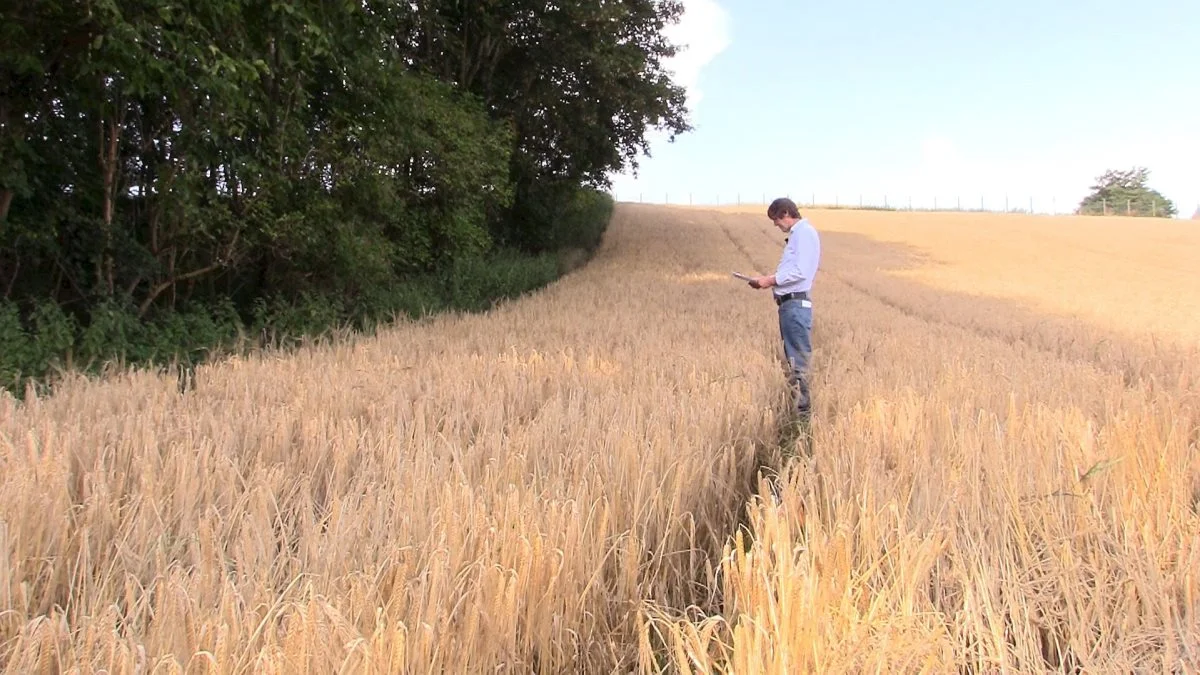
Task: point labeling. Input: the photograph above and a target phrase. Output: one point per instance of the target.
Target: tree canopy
(157, 150)
(1125, 192)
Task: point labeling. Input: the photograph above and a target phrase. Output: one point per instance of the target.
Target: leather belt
(780, 299)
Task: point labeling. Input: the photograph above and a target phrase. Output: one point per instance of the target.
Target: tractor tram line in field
(580, 480)
(987, 487)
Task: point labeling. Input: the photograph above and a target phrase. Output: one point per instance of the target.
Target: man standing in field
(792, 284)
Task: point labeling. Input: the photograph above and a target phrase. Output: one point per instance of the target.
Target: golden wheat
(991, 489)
(558, 485)
(461, 494)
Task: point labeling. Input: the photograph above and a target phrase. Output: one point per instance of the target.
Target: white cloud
(701, 34)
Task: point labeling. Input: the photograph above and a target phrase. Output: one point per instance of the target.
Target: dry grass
(996, 485)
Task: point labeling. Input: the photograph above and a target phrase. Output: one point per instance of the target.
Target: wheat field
(1005, 473)
(1002, 474)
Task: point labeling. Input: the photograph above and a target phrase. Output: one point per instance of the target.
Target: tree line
(171, 162)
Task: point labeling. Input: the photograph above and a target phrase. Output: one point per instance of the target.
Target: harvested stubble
(992, 489)
(465, 494)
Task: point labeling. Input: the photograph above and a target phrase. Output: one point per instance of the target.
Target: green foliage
(580, 81)
(34, 348)
(113, 331)
(558, 215)
(476, 284)
(1126, 193)
(16, 350)
(584, 219)
(55, 333)
(175, 174)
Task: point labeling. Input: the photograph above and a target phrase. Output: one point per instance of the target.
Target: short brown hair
(782, 207)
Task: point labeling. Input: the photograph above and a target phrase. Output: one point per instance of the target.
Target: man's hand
(762, 282)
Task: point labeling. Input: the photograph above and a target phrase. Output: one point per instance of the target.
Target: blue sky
(930, 99)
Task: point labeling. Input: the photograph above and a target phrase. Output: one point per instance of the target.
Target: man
(792, 284)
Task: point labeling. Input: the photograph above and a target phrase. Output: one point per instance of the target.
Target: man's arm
(763, 282)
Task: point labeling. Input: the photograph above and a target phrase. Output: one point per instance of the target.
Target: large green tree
(580, 82)
(1120, 192)
(153, 151)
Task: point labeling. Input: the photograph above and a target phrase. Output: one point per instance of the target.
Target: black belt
(780, 299)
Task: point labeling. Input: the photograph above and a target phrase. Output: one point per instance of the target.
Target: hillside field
(1003, 473)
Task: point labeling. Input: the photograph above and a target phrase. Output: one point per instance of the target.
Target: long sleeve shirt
(800, 260)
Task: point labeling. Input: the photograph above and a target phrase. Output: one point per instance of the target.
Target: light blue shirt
(801, 257)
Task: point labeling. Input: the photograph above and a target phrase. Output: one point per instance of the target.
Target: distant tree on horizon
(1125, 192)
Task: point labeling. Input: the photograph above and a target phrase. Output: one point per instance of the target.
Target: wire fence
(886, 202)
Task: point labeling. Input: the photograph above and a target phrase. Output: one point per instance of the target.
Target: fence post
(860, 200)
(958, 201)
(981, 208)
(910, 202)
(885, 202)
(1154, 209)
(1128, 207)
(1031, 205)
(1006, 210)
(935, 203)
(1104, 205)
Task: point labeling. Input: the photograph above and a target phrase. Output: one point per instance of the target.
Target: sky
(958, 101)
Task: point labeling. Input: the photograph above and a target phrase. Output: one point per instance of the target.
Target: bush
(413, 298)
(113, 332)
(585, 219)
(46, 339)
(16, 349)
(36, 343)
(281, 322)
(558, 216)
(476, 284)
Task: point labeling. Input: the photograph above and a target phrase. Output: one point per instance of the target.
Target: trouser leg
(795, 325)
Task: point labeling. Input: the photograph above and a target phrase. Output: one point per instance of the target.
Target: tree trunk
(110, 160)
(12, 282)
(6, 195)
(6, 199)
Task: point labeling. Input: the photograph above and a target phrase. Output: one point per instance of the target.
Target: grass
(566, 482)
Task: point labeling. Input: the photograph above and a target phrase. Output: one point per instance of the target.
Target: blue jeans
(795, 325)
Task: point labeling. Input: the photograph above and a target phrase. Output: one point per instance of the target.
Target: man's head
(783, 213)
